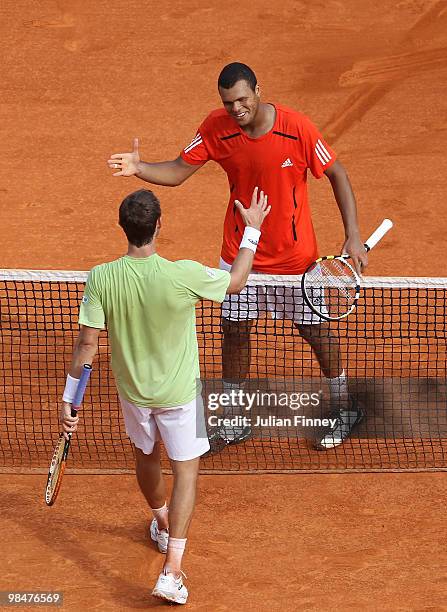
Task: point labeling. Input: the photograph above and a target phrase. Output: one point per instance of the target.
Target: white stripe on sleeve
(320, 158)
(324, 148)
(195, 142)
(322, 154)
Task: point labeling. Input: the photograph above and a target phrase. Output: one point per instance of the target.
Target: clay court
(79, 81)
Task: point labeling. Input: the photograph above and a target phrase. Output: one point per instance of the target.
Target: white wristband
(70, 389)
(250, 239)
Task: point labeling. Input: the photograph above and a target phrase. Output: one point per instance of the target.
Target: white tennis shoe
(160, 536)
(171, 588)
(345, 421)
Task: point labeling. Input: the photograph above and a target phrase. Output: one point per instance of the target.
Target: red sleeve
(196, 152)
(319, 155)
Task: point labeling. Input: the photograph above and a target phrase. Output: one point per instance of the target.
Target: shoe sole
(217, 444)
(167, 597)
(321, 447)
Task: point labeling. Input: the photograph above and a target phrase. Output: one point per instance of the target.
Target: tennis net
(393, 348)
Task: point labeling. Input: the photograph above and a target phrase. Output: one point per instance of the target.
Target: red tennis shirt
(277, 163)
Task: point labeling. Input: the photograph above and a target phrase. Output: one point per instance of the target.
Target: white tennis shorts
(281, 302)
(177, 427)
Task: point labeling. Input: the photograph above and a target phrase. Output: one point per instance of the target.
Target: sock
(232, 431)
(338, 388)
(160, 514)
(176, 548)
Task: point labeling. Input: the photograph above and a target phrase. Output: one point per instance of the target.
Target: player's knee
(236, 330)
(314, 333)
(186, 471)
(142, 458)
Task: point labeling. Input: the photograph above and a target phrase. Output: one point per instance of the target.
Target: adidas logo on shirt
(287, 163)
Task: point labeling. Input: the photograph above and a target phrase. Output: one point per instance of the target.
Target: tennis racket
(331, 286)
(57, 465)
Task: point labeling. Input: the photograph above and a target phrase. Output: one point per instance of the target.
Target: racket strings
(332, 287)
(333, 276)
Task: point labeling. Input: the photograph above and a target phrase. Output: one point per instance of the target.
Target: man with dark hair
(272, 146)
(140, 206)
(235, 72)
(148, 305)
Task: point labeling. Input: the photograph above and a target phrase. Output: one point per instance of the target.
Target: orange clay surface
(306, 542)
(79, 80)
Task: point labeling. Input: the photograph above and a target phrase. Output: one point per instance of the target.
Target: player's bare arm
(84, 351)
(168, 173)
(253, 217)
(345, 198)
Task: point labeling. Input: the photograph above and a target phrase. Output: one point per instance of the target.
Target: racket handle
(80, 390)
(378, 234)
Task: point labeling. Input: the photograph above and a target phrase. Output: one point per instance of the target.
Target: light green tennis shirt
(148, 306)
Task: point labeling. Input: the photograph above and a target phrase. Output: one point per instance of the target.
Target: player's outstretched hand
(125, 163)
(259, 209)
